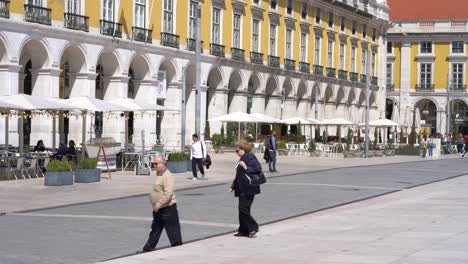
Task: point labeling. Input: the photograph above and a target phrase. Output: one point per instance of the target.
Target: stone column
(239, 102)
(273, 106)
(217, 106)
(289, 109)
(115, 87)
(10, 78)
(171, 124)
(258, 103)
(442, 122)
(405, 74)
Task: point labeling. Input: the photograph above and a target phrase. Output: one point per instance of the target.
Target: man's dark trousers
(247, 223)
(272, 160)
(166, 218)
(199, 163)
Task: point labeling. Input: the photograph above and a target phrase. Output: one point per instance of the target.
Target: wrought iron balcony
(110, 28)
(142, 34)
(37, 14)
(425, 87)
(458, 87)
(289, 64)
(192, 45)
(217, 50)
(363, 78)
(353, 76)
(331, 72)
(374, 80)
(5, 8)
(318, 70)
(304, 67)
(237, 54)
(170, 40)
(390, 87)
(76, 22)
(273, 61)
(256, 58)
(342, 75)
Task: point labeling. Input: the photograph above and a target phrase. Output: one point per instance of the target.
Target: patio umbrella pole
(83, 134)
(21, 131)
(54, 130)
(126, 130)
(7, 132)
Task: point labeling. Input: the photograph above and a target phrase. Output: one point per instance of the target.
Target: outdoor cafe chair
(302, 149)
(18, 169)
(33, 168)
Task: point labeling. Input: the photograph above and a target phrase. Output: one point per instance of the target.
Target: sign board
(162, 86)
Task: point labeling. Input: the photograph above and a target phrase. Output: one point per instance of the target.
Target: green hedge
(58, 166)
(408, 151)
(87, 164)
(178, 156)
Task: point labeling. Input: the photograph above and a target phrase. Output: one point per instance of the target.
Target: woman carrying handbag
(244, 189)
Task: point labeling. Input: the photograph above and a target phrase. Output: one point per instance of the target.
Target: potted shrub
(282, 149)
(177, 162)
(313, 149)
(86, 171)
(58, 173)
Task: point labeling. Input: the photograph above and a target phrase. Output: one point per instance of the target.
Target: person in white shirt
(197, 155)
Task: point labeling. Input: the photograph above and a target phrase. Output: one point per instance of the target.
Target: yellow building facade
(282, 58)
(426, 69)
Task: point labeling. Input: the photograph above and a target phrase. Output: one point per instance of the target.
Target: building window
(425, 74)
(353, 59)
(304, 10)
(342, 56)
(317, 51)
(364, 31)
(457, 75)
(425, 47)
(373, 64)
(317, 15)
(364, 62)
(390, 47)
(457, 47)
(168, 26)
(354, 28)
(74, 7)
(140, 13)
(273, 39)
(216, 26)
(236, 35)
(255, 34)
(330, 54)
(108, 10)
(35, 3)
(343, 24)
(374, 34)
(389, 75)
(288, 43)
(256, 2)
(303, 47)
(331, 17)
(273, 4)
(289, 7)
(193, 19)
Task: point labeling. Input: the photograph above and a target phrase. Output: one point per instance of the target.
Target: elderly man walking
(165, 214)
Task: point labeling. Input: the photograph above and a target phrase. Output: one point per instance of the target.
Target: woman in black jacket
(248, 163)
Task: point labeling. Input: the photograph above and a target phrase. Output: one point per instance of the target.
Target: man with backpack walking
(271, 144)
(197, 155)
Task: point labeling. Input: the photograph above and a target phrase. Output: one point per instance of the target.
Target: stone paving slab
(426, 224)
(31, 194)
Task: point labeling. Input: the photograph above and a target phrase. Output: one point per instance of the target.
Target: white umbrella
(137, 106)
(236, 117)
(95, 105)
(314, 121)
(296, 121)
(336, 122)
(7, 106)
(262, 118)
(381, 123)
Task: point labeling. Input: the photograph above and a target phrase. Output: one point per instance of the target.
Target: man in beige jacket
(165, 214)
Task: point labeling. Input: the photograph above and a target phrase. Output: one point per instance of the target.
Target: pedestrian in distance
(164, 205)
(247, 164)
(198, 156)
(40, 147)
(424, 146)
(463, 146)
(459, 143)
(430, 146)
(271, 144)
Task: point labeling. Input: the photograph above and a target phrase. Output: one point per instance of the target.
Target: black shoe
(238, 234)
(252, 234)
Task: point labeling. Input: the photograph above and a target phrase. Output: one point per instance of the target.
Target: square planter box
(87, 176)
(58, 178)
(177, 166)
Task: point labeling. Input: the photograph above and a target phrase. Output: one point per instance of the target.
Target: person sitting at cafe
(40, 147)
(61, 152)
(71, 148)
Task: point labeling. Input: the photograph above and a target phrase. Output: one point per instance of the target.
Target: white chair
(33, 167)
(302, 149)
(18, 168)
(256, 147)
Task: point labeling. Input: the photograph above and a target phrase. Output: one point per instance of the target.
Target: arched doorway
(216, 99)
(459, 117)
(272, 99)
(255, 100)
(237, 100)
(426, 113)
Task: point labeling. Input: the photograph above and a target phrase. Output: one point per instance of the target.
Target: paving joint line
(219, 183)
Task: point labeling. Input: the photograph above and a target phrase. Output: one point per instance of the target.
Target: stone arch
(372, 99)
(215, 79)
(36, 50)
(272, 86)
(236, 81)
(75, 55)
(362, 98)
(3, 51)
(301, 93)
(255, 81)
(328, 94)
(288, 88)
(340, 96)
(427, 111)
(141, 68)
(109, 64)
(351, 96)
(315, 92)
(271, 91)
(235, 85)
(170, 67)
